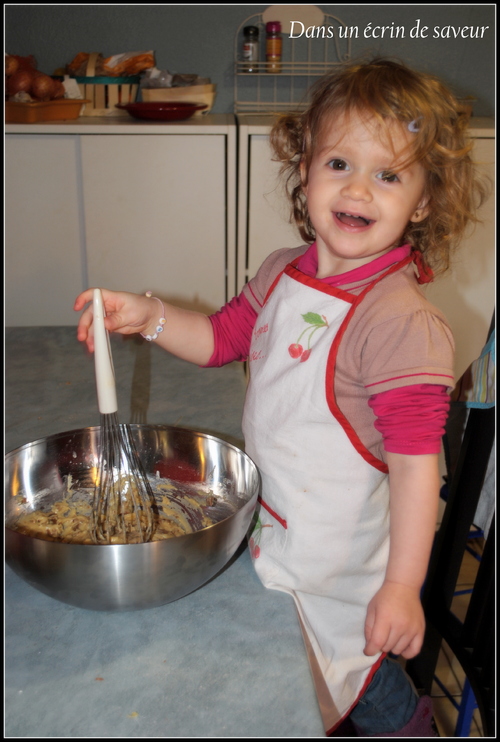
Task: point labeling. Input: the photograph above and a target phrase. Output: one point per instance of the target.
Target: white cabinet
(263, 212)
(43, 229)
(466, 294)
(119, 204)
(155, 215)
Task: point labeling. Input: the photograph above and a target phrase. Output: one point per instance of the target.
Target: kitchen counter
(209, 124)
(226, 661)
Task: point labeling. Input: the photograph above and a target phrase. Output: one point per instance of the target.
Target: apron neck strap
(425, 274)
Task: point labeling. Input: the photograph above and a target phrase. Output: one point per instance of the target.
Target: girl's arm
(395, 620)
(188, 335)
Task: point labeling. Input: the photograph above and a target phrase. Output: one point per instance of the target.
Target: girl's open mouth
(352, 221)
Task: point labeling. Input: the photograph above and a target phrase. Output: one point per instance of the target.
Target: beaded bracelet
(161, 321)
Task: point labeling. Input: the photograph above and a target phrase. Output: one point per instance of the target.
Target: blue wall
(200, 39)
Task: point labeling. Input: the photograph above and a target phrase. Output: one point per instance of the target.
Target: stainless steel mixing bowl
(130, 576)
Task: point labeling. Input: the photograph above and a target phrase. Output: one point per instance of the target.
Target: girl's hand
(395, 621)
(126, 314)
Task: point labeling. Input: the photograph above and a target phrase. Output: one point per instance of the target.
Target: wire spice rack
(303, 59)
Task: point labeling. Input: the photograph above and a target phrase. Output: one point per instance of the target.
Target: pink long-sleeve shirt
(410, 419)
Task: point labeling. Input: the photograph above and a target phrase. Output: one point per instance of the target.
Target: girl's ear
(421, 211)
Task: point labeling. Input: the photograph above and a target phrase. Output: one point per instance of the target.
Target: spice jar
(250, 49)
(274, 43)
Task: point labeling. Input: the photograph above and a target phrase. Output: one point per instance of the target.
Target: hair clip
(413, 125)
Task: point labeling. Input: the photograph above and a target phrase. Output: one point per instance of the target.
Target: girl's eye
(388, 177)
(338, 164)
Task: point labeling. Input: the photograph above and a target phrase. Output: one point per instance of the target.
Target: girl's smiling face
(359, 201)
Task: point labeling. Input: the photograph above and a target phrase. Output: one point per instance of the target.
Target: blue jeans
(388, 703)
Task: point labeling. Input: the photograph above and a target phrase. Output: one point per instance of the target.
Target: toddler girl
(350, 368)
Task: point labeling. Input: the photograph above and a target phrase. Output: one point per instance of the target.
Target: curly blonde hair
(388, 91)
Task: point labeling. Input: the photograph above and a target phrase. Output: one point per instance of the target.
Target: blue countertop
(225, 661)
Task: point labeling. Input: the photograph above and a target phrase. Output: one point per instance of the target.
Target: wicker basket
(190, 94)
(105, 92)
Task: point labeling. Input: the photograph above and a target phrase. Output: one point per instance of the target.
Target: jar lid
(251, 31)
(273, 26)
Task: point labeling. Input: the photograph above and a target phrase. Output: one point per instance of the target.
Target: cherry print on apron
(315, 322)
(322, 533)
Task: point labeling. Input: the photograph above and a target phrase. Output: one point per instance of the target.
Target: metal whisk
(124, 504)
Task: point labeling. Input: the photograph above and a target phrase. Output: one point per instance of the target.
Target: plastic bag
(119, 65)
(155, 78)
(132, 63)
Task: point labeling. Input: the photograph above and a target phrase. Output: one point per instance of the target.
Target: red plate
(162, 111)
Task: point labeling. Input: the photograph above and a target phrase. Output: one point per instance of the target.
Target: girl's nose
(358, 188)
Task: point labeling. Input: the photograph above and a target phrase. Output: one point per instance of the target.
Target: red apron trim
(425, 274)
(330, 373)
(325, 288)
(367, 682)
(292, 271)
(272, 287)
(395, 378)
(282, 521)
(253, 294)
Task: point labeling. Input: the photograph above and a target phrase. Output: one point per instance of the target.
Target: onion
(20, 81)
(25, 63)
(43, 87)
(11, 65)
(59, 90)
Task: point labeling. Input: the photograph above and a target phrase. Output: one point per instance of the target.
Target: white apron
(322, 534)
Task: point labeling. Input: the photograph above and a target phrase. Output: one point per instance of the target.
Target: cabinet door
(155, 216)
(269, 226)
(43, 236)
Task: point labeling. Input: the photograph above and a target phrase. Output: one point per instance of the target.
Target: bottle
(250, 49)
(274, 43)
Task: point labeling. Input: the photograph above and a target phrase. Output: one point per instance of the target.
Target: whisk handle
(104, 371)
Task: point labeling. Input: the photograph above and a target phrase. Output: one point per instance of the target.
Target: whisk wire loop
(124, 503)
